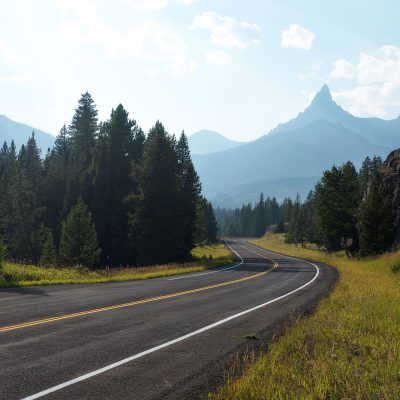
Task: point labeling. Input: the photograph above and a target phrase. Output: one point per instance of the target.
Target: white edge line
(171, 342)
(210, 272)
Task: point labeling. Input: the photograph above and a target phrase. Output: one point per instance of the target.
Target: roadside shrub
(395, 267)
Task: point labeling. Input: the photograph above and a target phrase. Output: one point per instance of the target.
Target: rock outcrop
(391, 176)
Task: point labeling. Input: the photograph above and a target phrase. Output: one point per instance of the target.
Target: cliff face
(391, 176)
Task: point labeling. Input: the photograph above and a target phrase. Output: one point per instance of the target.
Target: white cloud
(157, 5)
(342, 69)
(377, 79)
(227, 32)
(147, 41)
(218, 57)
(298, 37)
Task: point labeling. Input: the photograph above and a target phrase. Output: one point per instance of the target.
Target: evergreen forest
(348, 210)
(106, 194)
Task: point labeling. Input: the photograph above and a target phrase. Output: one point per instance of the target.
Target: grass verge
(205, 257)
(349, 349)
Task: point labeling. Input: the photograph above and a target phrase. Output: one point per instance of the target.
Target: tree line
(347, 210)
(105, 194)
(250, 221)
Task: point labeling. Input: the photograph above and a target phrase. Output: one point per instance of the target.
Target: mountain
(20, 133)
(205, 142)
(292, 157)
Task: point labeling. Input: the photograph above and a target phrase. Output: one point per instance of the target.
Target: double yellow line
(131, 303)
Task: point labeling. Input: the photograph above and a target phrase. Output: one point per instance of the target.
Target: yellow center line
(133, 303)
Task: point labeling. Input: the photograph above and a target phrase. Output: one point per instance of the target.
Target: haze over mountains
(20, 133)
(205, 141)
(292, 156)
(290, 159)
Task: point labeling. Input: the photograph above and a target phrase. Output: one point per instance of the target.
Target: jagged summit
(323, 96)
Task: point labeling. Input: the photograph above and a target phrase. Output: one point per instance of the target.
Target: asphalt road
(156, 339)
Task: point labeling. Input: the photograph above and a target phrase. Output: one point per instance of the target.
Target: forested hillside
(105, 194)
(349, 210)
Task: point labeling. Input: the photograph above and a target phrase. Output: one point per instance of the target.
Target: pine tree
(260, 217)
(49, 252)
(337, 201)
(211, 226)
(78, 242)
(25, 234)
(190, 190)
(115, 151)
(155, 214)
(376, 218)
(82, 136)
(296, 228)
(55, 183)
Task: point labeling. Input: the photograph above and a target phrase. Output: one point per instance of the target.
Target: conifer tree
(190, 190)
(25, 234)
(376, 218)
(82, 133)
(49, 252)
(337, 201)
(115, 151)
(211, 226)
(78, 242)
(155, 214)
(55, 181)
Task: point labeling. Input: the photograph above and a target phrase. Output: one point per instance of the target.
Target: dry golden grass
(350, 348)
(207, 256)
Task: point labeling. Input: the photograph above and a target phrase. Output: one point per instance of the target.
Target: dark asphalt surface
(37, 358)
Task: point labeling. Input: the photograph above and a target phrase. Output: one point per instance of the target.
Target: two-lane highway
(160, 338)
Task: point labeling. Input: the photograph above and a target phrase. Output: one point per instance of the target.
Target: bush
(3, 251)
(395, 267)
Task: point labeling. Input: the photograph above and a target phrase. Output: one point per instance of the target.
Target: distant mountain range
(205, 142)
(290, 159)
(20, 133)
(292, 156)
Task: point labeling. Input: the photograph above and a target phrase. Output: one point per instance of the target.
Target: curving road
(166, 338)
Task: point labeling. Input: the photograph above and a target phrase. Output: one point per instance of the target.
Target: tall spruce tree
(78, 242)
(376, 218)
(155, 215)
(26, 233)
(115, 152)
(82, 135)
(190, 190)
(55, 182)
(337, 201)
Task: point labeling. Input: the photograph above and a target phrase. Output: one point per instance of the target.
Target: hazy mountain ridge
(205, 142)
(294, 154)
(20, 133)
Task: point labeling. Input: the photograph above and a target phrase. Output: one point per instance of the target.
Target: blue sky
(239, 67)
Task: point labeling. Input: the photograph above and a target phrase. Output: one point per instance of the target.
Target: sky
(238, 67)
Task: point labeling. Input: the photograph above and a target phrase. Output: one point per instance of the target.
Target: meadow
(349, 349)
(204, 257)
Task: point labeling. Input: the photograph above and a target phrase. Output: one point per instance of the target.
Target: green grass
(205, 257)
(349, 349)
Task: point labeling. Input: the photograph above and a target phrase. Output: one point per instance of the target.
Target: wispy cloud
(227, 32)
(297, 37)
(147, 40)
(377, 79)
